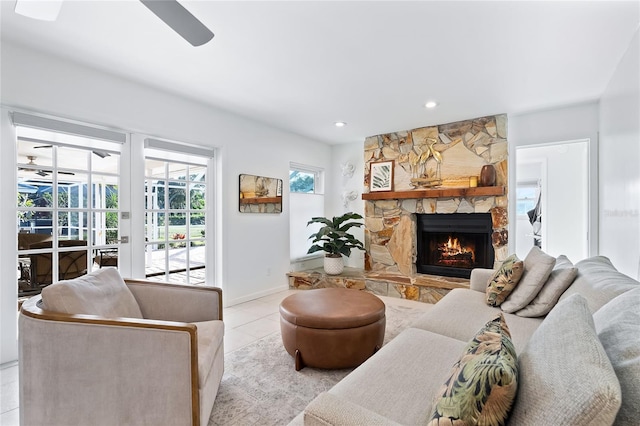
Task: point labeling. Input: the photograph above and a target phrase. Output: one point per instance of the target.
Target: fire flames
(452, 253)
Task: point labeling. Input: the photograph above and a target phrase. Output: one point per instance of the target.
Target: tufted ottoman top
(332, 308)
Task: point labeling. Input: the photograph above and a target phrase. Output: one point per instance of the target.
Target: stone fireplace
(391, 218)
(434, 169)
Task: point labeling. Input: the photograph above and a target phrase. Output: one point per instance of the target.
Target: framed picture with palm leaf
(381, 176)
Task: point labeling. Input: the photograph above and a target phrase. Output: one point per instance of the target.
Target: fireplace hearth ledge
(419, 287)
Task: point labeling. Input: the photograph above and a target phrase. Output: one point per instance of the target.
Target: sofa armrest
(172, 302)
(101, 370)
(479, 279)
(328, 409)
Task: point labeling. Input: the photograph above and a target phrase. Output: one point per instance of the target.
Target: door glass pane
(154, 226)
(104, 162)
(197, 173)
(72, 158)
(35, 153)
(155, 261)
(105, 192)
(73, 194)
(177, 171)
(157, 195)
(177, 226)
(43, 198)
(177, 195)
(105, 228)
(196, 196)
(72, 225)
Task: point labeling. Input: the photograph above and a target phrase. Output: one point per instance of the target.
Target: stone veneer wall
(466, 146)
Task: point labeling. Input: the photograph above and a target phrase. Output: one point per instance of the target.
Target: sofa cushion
(462, 312)
(565, 361)
(328, 409)
(420, 361)
(537, 268)
(101, 292)
(504, 280)
(560, 279)
(483, 382)
(618, 326)
(599, 282)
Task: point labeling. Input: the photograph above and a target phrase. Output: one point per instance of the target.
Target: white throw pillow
(560, 279)
(565, 376)
(102, 292)
(537, 268)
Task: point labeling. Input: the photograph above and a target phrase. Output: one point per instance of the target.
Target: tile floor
(244, 324)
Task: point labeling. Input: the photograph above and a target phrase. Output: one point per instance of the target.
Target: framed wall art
(381, 176)
(259, 194)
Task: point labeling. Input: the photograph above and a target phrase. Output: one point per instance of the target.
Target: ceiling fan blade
(101, 154)
(42, 10)
(180, 20)
(66, 173)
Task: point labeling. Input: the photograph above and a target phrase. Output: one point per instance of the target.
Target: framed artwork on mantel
(381, 176)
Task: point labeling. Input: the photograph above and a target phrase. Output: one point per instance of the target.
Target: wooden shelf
(260, 200)
(481, 191)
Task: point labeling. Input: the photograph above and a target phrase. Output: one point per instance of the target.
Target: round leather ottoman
(332, 327)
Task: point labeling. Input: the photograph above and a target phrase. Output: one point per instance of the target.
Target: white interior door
(562, 172)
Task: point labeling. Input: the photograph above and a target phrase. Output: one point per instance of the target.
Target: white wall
(254, 256)
(338, 184)
(619, 159)
(563, 124)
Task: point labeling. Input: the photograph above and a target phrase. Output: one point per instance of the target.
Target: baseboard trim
(228, 303)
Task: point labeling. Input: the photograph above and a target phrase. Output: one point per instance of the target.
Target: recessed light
(431, 104)
(340, 124)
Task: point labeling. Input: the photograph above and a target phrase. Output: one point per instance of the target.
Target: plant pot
(333, 265)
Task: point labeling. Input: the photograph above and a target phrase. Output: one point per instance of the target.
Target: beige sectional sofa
(579, 365)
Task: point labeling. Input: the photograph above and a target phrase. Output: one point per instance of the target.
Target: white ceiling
(302, 65)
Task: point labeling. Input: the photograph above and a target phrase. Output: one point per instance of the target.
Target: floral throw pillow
(483, 382)
(504, 280)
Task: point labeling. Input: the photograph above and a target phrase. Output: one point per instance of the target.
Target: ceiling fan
(40, 172)
(170, 11)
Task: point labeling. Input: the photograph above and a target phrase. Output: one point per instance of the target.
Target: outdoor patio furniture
(71, 264)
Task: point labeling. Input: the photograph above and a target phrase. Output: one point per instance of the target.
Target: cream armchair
(94, 350)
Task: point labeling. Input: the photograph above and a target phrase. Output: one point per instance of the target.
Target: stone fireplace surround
(390, 224)
(390, 217)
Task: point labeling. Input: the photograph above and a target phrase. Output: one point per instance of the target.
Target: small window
(306, 200)
(526, 197)
(302, 181)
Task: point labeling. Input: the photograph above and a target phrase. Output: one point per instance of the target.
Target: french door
(175, 219)
(69, 199)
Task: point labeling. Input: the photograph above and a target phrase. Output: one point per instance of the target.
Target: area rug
(261, 386)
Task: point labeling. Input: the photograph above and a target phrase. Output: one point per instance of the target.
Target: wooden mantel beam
(482, 191)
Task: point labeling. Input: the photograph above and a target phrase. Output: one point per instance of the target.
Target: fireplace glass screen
(454, 244)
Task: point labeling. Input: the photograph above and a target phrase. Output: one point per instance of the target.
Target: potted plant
(334, 239)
